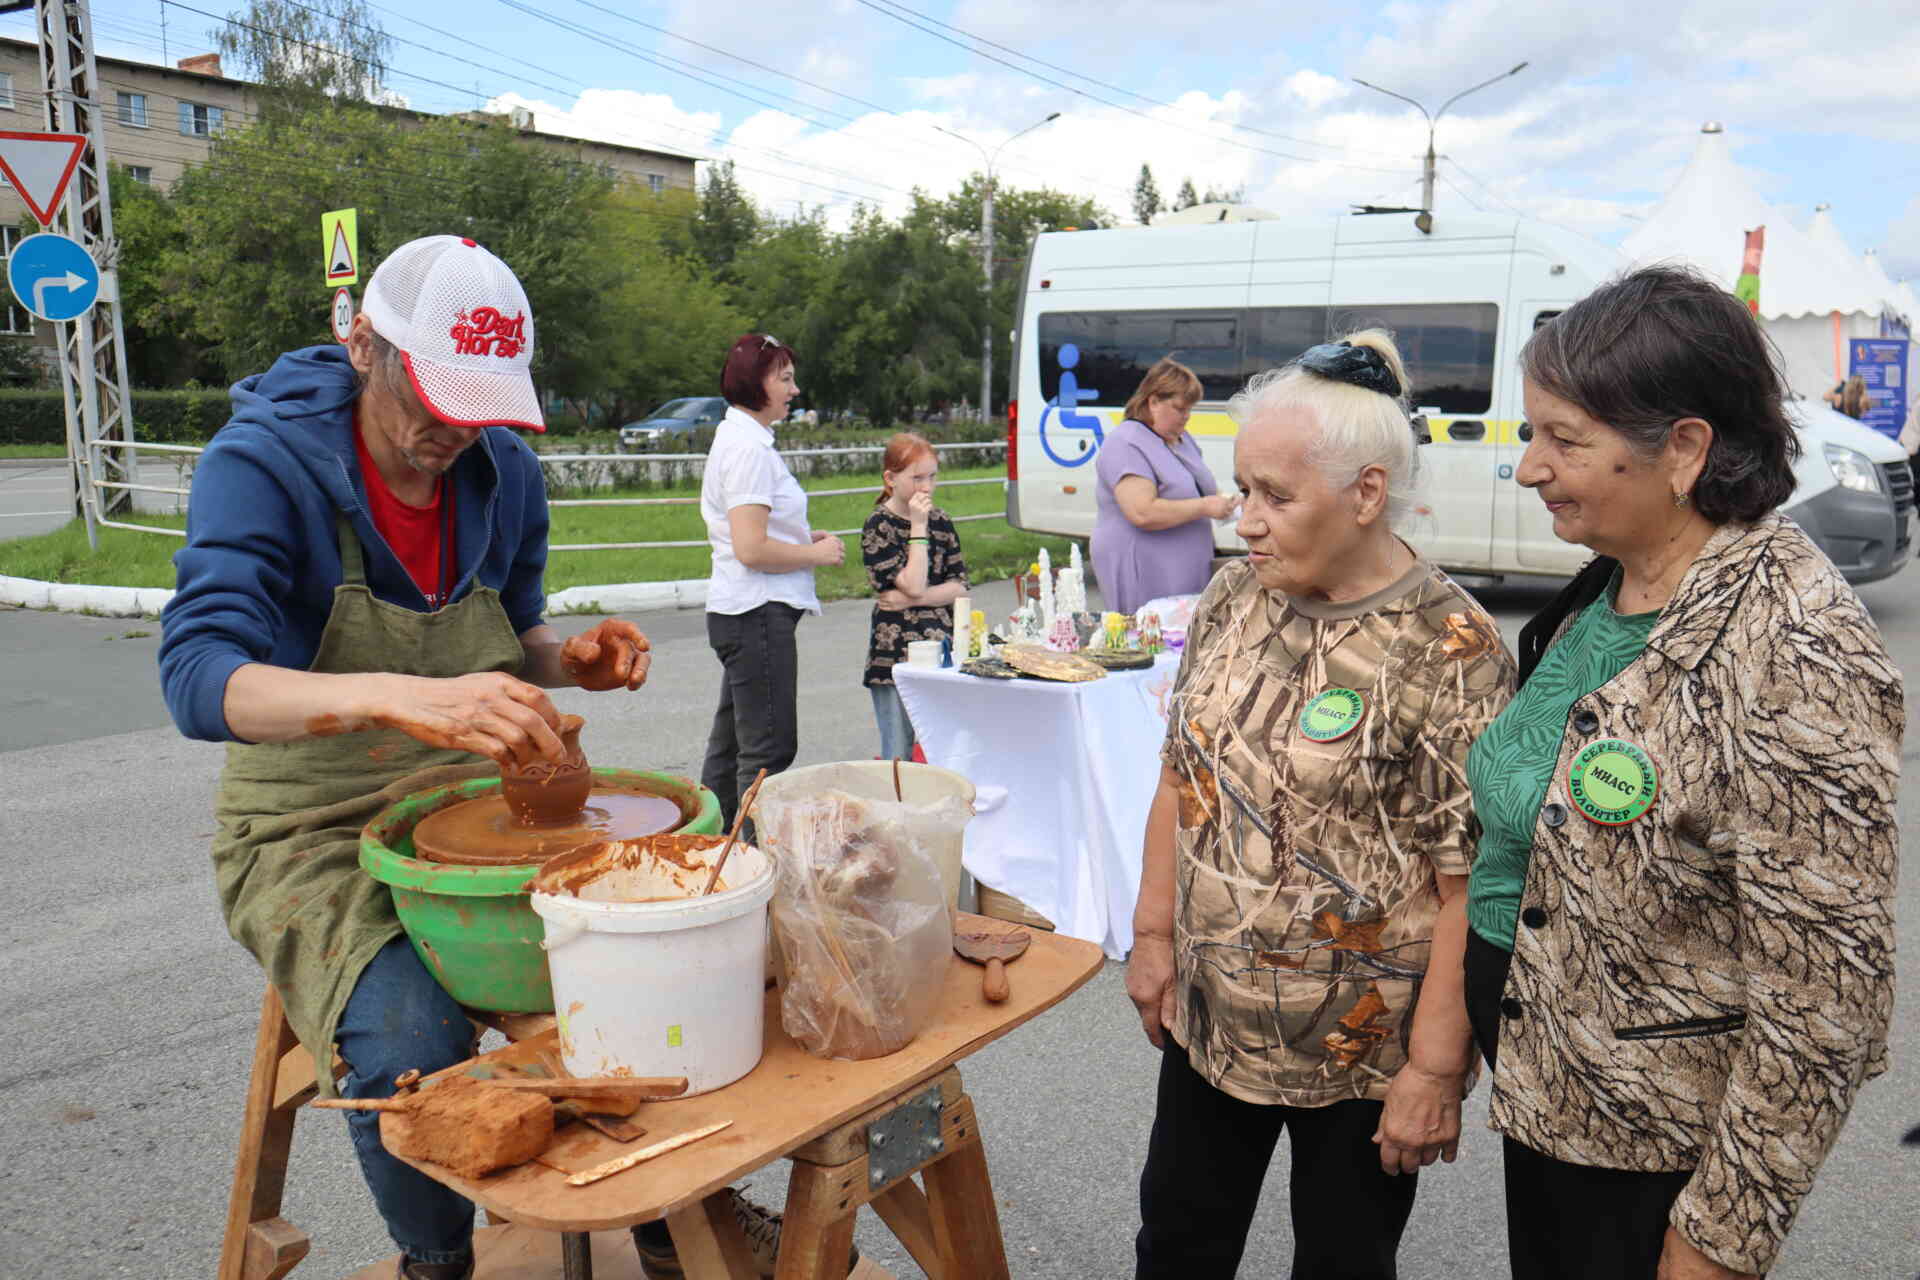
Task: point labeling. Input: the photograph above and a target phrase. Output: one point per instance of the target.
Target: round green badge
(1332, 714)
(1612, 782)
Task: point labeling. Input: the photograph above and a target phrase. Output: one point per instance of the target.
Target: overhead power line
(1120, 89)
(908, 18)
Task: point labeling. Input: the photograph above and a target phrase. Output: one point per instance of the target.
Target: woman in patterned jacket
(1681, 963)
(1302, 899)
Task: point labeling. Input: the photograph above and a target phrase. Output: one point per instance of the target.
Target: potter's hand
(1681, 1261)
(1421, 1120)
(488, 713)
(1150, 984)
(611, 654)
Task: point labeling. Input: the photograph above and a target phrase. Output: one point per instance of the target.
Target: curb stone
(140, 602)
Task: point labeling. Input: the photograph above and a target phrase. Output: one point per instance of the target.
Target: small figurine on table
(1150, 634)
(1063, 638)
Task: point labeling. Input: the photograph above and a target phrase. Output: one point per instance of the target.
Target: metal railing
(555, 458)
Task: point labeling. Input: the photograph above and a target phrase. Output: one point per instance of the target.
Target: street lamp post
(986, 255)
(1426, 179)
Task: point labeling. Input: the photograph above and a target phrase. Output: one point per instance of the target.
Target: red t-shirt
(413, 532)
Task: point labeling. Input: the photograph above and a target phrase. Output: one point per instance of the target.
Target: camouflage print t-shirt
(1322, 756)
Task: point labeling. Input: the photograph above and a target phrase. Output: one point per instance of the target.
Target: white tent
(1812, 297)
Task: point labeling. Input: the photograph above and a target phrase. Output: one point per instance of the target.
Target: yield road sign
(53, 276)
(340, 236)
(39, 166)
(342, 314)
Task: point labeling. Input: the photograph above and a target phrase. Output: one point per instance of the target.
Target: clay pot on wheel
(545, 794)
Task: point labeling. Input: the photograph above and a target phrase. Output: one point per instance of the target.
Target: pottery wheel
(481, 831)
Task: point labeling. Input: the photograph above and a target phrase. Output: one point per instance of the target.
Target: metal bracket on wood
(905, 1138)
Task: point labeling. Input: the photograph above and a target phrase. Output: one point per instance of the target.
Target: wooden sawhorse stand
(856, 1132)
(259, 1243)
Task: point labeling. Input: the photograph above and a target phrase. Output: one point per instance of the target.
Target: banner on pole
(1881, 363)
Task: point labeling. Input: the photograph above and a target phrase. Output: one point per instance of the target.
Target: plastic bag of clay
(860, 917)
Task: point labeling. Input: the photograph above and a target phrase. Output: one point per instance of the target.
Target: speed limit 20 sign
(342, 314)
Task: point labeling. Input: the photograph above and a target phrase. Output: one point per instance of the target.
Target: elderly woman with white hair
(1301, 919)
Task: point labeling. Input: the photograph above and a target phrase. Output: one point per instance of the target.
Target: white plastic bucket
(668, 988)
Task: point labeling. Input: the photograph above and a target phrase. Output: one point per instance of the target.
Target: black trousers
(757, 725)
(1567, 1221)
(1208, 1156)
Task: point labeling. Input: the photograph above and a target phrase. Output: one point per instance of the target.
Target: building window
(141, 173)
(6, 89)
(133, 109)
(656, 182)
(197, 120)
(12, 318)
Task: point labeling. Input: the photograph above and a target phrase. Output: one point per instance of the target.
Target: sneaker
(411, 1270)
(658, 1260)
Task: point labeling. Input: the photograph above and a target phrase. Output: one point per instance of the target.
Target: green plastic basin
(474, 927)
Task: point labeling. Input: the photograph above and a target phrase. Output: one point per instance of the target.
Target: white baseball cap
(464, 330)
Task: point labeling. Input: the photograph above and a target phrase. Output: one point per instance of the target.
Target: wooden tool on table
(995, 949)
(739, 820)
(606, 1095)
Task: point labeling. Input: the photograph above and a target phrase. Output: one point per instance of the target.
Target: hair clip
(1356, 366)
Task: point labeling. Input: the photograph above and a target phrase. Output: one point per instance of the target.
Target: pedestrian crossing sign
(340, 238)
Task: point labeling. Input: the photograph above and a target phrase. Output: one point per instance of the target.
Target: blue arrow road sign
(53, 276)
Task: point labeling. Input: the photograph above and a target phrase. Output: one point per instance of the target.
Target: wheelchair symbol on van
(1064, 409)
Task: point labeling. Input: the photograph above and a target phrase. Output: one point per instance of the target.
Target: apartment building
(162, 120)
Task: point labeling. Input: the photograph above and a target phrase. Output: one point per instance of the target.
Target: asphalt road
(129, 1020)
(37, 497)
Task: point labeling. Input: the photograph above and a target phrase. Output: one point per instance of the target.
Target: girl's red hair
(903, 450)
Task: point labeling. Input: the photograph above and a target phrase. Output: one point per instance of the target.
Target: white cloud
(1314, 90)
(1900, 251)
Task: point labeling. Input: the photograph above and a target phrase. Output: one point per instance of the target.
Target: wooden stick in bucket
(739, 820)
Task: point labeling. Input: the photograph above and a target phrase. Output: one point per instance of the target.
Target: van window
(1118, 347)
(1448, 349)
(1276, 335)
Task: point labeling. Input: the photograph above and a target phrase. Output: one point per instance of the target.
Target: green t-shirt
(1512, 762)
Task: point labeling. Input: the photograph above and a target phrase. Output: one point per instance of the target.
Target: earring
(1680, 499)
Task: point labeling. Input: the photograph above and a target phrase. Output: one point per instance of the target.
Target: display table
(1078, 764)
(831, 1118)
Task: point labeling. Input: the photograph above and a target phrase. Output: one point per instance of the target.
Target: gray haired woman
(1302, 896)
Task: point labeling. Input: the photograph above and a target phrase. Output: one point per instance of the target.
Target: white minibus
(1228, 300)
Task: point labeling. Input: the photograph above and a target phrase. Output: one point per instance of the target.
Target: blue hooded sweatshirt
(255, 581)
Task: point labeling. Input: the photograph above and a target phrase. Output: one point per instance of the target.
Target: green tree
(295, 48)
(905, 303)
(244, 278)
(676, 322)
(1146, 197)
(1230, 195)
(781, 283)
(725, 222)
(1186, 198)
(20, 363)
(161, 352)
(1018, 216)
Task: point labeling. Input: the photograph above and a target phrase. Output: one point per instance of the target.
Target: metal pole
(1433, 121)
(1426, 180)
(986, 330)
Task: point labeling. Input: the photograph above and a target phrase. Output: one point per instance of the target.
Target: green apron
(286, 857)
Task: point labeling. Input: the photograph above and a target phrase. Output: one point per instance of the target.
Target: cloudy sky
(834, 102)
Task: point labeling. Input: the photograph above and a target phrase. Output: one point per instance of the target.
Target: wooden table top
(787, 1101)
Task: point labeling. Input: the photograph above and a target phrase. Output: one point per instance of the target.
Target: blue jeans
(896, 731)
(398, 1018)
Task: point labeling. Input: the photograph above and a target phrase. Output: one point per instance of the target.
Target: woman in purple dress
(1157, 500)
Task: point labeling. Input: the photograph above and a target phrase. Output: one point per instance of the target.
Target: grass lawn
(993, 549)
(51, 453)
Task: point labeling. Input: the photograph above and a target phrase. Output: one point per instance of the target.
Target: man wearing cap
(358, 615)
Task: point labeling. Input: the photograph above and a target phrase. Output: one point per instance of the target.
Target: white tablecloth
(1077, 765)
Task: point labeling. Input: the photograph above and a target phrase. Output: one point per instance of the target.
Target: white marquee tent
(1815, 293)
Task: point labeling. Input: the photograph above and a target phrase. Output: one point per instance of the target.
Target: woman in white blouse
(764, 555)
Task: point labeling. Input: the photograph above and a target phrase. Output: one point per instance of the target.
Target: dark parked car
(675, 417)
